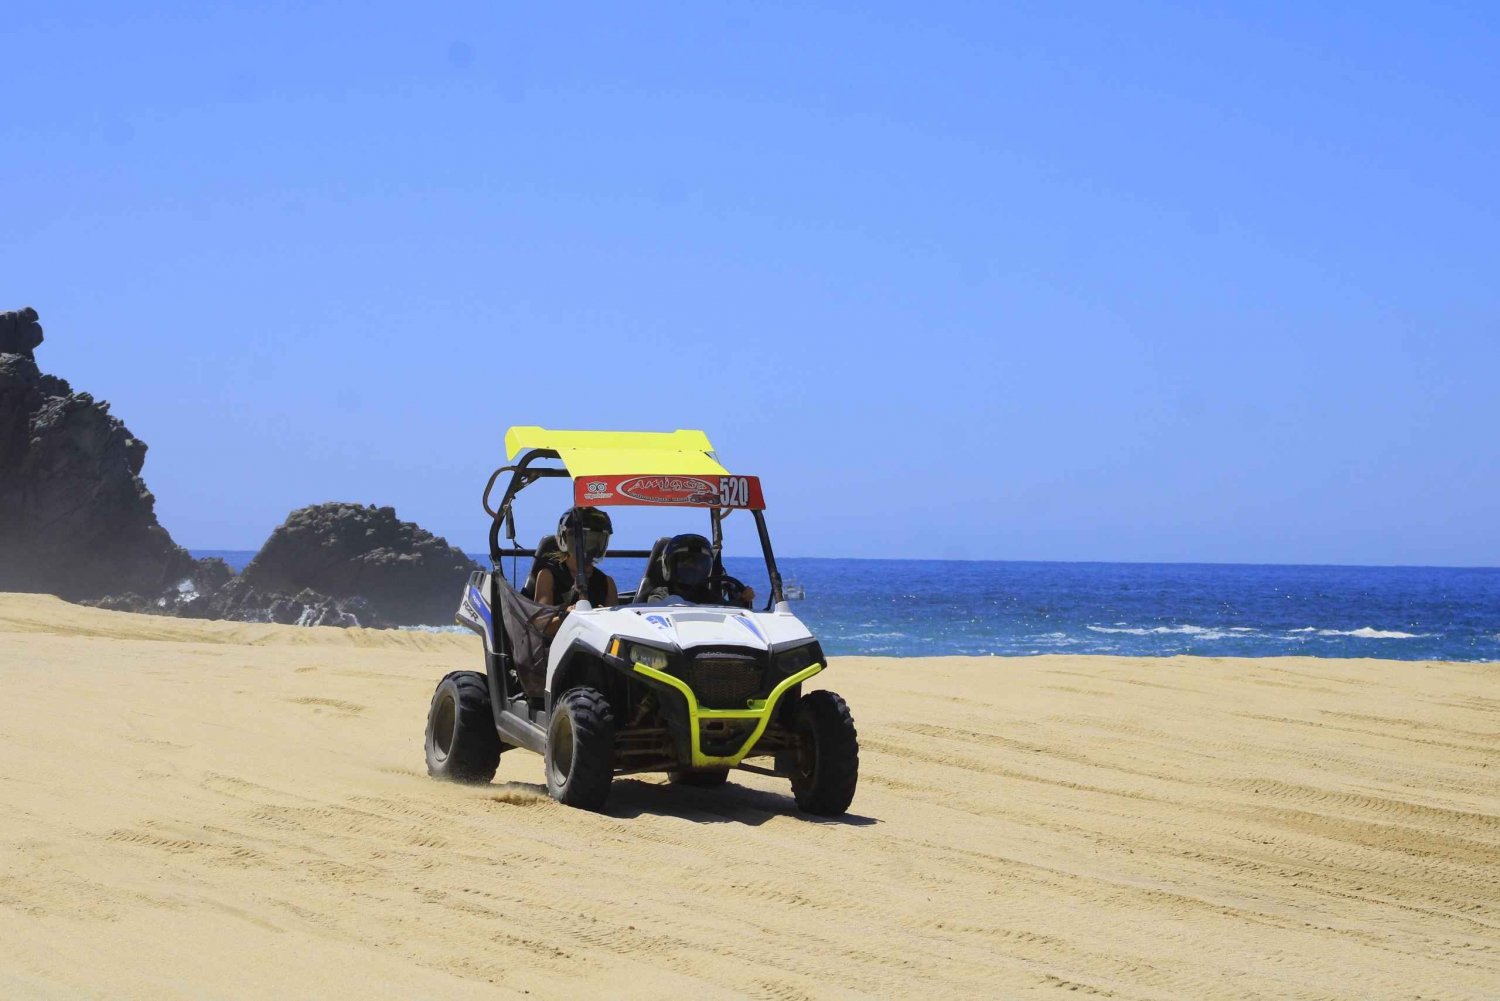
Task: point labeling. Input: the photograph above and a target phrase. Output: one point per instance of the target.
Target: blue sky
(1030, 281)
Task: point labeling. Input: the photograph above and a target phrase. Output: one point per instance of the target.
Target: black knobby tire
(462, 743)
(826, 765)
(580, 758)
(709, 779)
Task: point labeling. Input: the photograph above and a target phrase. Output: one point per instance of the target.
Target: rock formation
(76, 520)
(407, 575)
(241, 602)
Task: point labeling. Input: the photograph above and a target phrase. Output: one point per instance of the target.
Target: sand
(193, 810)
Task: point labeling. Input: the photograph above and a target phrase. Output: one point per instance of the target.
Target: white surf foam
(1200, 632)
(185, 592)
(1055, 639)
(1371, 633)
(1362, 633)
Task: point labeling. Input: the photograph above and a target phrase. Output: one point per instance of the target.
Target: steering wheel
(727, 587)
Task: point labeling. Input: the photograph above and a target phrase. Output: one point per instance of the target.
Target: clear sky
(1114, 281)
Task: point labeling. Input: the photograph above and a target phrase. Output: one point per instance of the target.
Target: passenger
(687, 567)
(557, 580)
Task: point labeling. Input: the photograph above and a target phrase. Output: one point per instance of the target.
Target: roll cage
(625, 468)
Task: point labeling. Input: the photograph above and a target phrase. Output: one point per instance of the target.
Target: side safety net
(524, 622)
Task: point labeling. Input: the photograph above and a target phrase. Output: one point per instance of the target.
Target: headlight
(646, 655)
(799, 658)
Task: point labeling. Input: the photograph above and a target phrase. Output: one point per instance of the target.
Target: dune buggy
(647, 685)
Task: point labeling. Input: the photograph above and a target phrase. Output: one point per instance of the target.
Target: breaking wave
(1245, 632)
(1370, 633)
(1202, 632)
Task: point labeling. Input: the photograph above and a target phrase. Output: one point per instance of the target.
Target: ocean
(913, 608)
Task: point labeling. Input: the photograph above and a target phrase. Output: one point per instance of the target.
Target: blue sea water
(932, 607)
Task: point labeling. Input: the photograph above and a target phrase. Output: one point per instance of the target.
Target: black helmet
(687, 560)
(596, 529)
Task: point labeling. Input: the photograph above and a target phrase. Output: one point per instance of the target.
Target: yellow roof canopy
(606, 453)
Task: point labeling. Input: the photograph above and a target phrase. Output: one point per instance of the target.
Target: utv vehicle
(650, 684)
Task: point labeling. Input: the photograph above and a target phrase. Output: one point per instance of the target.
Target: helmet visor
(691, 569)
(595, 543)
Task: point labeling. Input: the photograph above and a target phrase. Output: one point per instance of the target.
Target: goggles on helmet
(596, 529)
(595, 543)
(691, 568)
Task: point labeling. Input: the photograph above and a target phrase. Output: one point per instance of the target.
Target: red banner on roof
(669, 491)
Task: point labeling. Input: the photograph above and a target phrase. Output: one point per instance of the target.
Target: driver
(557, 580)
(687, 566)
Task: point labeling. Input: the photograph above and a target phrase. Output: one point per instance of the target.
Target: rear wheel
(581, 749)
(705, 779)
(462, 744)
(825, 768)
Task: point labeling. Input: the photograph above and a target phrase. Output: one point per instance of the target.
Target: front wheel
(462, 743)
(826, 765)
(581, 749)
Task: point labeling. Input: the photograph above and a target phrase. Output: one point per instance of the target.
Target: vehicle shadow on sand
(728, 804)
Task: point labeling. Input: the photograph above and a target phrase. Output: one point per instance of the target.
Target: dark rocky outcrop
(205, 578)
(405, 574)
(76, 520)
(241, 602)
(20, 334)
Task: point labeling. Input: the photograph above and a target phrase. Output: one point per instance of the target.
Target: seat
(525, 623)
(544, 548)
(651, 579)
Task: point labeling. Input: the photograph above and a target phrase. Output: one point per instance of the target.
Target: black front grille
(723, 680)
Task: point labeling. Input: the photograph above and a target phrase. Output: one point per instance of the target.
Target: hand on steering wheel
(733, 590)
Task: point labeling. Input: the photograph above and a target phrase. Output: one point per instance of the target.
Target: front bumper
(758, 712)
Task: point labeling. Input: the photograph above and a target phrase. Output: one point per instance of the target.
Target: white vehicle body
(672, 624)
(679, 625)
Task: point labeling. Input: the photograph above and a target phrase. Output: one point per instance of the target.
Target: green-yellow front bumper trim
(756, 709)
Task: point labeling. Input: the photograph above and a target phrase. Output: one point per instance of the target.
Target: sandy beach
(209, 809)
